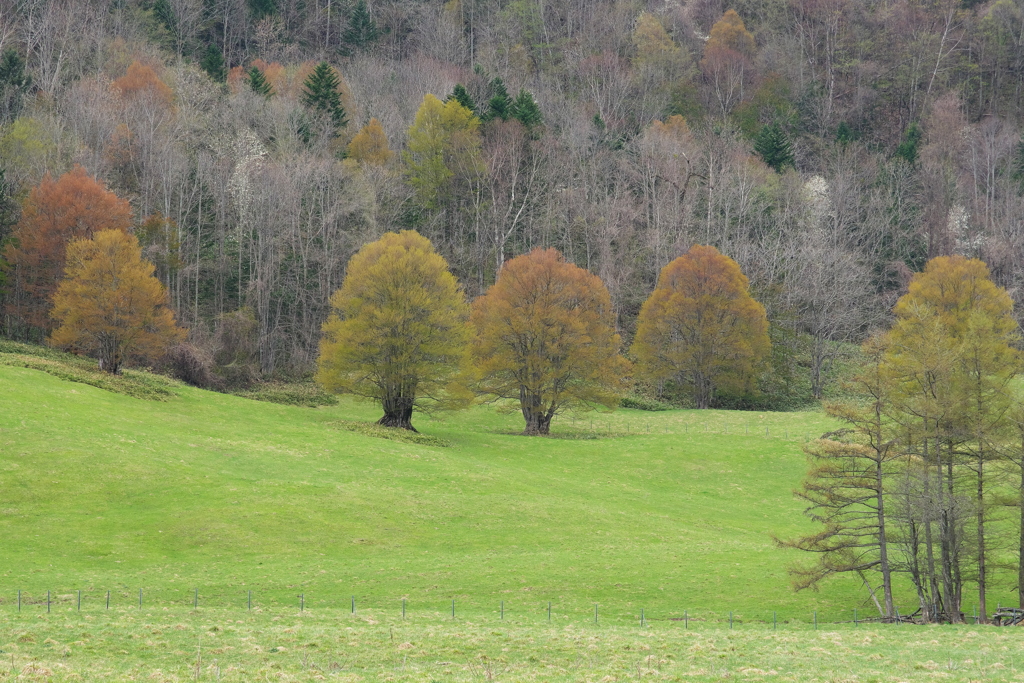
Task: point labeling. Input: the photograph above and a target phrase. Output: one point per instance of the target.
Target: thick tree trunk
(538, 421)
(397, 412)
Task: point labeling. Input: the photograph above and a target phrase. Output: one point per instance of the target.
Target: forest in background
(829, 147)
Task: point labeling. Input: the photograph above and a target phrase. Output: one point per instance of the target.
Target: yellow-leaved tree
(700, 327)
(398, 329)
(443, 150)
(109, 303)
(370, 145)
(546, 337)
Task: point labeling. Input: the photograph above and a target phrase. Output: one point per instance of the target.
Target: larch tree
(398, 329)
(110, 304)
(546, 338)
(443, 148)
(700, 327)
(953, 354)
(57, 211)
(370, 145)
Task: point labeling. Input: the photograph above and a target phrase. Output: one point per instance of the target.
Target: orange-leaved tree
(398, 330)
(110, 304)
(546, 337)
(700, 327)
(57, 211)
(370, 145)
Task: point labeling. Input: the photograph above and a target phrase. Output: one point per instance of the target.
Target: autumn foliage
(370, 145)
(57, 211)
(110, 305)
(398, 328)
(546, 337)
(142, 80)
(700, 327)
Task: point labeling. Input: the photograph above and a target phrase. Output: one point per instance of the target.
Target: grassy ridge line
(172, 646)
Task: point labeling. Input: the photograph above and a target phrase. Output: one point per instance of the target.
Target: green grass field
(667, 512)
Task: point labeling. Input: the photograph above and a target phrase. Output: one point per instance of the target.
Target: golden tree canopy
(110, 305)
(701, 327)
(370, 145)
(546, 337)
(444, 145)
(398, 330)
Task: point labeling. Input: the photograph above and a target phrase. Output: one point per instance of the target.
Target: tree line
(926, 478)
(831, 149)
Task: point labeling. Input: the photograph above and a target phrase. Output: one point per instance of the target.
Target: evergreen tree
(845, 134)
(525, 110)
(462, 96)
(362, 29)
(262, 8)
(321, 92)
(500, 104)
(258, 83)
(773, 146)
(213, 64)
(14, 84)
(9, 207)
(911, 141)
(163, 13)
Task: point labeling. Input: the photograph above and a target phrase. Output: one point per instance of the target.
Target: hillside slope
(103, 491)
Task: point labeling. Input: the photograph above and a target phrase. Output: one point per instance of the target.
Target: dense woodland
(829, 147)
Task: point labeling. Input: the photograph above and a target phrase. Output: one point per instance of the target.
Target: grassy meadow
(666, 512)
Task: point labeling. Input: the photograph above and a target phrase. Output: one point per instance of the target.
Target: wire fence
(288, 601)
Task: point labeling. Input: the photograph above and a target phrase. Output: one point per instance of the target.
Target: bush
(643, 403)
(189, 364)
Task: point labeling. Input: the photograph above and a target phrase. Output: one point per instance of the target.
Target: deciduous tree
(110, 304)
(398, 330)
(57, 211)
(546, 337)
(370, 145)
(700, 327)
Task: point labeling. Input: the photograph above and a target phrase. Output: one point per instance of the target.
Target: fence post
(108, 599)
(302, 602)
(453, 609)
(730, 619)
(47, 602)
(642, 620)
(195, 600)
(549, 611)
(250, 601)
(855, 617)
(140, 598)
(79, 600)
(403, 608)
(815, 620)
(595, 612)
(502, 609)
(775, 621)
(897, 610)
(353, 604)
(19, 600)
(686, 619)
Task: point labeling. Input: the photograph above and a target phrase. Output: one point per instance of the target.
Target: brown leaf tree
(110, 304)
(700, 327)
(546, 337)
(57, 211)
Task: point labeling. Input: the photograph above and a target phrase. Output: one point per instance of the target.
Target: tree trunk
(982, 579)
(1020, 557)
(397, 412)
(883, 546)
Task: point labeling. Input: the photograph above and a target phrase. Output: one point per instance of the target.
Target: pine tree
(213, 64)
(262, 8)
(525, 110)
(321, 92)
(462, 96)
(258, 83)
(773, 146)
(911, 141)
(362, 29)
(500, 104)
(14, 84)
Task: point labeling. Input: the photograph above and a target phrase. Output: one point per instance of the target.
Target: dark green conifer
(14, 84)
(321, 92)
(525, 110)
(500, 104)
(773, 146)
(258, 83)
(213, 63)
(362, 29)
(907, 149)
(462, 96)
(262, 8)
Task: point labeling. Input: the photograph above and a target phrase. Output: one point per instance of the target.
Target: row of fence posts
(302, 608)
